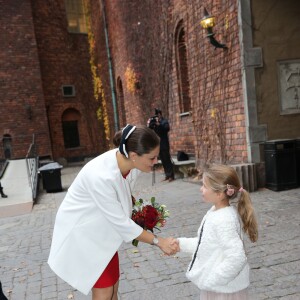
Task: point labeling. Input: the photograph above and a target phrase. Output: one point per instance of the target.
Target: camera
(153, 122)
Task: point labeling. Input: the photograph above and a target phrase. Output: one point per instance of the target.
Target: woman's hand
(169, 246)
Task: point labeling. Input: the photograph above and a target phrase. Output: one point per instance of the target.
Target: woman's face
(146, 162)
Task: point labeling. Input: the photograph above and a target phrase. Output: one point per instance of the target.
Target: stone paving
(145, 272)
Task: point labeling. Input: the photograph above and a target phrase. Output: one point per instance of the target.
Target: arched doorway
(182, 69)
(70, 122)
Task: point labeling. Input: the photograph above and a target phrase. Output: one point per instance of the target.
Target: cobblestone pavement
(145, 273)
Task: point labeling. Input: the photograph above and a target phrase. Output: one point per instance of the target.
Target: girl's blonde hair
(224, 179)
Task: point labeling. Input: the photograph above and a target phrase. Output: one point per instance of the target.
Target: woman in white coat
(95, 216)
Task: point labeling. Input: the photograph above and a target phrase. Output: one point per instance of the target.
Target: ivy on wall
(99, 95)
(132, 82)
(148, 66)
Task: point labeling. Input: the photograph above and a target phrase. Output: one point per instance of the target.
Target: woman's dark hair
(141, 141)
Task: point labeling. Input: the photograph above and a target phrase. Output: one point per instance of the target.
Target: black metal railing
(32, 162)
(3, 166)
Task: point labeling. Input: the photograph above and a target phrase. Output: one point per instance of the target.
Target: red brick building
(47, 85)
(161, 48)
(23, 110)
(222, 104)
(120, 59)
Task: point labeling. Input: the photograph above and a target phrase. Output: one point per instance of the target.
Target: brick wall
(64, 59)
(22, 108)
(142, 36)
(38, 56)
(217, 116)
(138, 47)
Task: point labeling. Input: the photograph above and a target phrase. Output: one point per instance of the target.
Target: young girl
(219, 265)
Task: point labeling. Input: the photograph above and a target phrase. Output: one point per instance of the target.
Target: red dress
(111, 274)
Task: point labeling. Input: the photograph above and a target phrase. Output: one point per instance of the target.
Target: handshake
(170, 245)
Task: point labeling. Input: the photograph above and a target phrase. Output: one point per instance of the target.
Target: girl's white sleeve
(233, 251)
(188, 244)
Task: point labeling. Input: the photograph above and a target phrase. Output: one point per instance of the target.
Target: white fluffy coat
(221, 263)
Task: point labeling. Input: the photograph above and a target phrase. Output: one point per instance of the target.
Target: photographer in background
(161, 126)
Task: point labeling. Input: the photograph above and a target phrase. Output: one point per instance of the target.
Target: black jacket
(162, 131)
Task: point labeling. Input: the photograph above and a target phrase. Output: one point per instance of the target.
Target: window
(68, 90)
(182, 69)
(70, 120)
(76, 16)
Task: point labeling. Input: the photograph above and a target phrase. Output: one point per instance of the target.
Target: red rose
(151, 217)
(139, 219)
(148, 216)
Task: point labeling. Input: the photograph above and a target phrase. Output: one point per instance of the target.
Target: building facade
(47, 88)
(223, 104)
(76, 71)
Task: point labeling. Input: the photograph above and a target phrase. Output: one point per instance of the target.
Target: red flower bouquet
(149, 215)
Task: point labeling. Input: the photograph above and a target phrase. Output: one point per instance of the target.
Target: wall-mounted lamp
(208, 22)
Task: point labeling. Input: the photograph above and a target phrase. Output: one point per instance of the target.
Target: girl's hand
(169, 246)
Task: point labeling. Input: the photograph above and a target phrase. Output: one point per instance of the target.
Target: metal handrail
(32, 162)
(3, 166)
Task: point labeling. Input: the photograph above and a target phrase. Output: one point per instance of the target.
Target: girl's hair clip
(230, 190)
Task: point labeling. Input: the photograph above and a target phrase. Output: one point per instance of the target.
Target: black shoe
(171, 179)
(2, 296)
(3, 195)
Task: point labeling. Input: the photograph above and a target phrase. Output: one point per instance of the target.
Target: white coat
(92, 222)
(221, 264)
